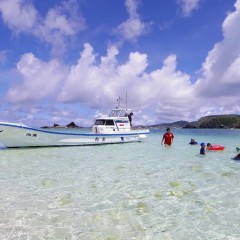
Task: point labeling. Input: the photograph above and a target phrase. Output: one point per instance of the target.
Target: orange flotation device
(216, 148)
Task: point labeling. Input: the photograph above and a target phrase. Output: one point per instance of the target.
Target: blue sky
(63, 61)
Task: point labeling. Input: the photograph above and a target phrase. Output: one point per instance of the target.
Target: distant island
(214, 121)
(70, 125)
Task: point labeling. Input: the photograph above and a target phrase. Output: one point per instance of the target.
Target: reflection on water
(127, 191)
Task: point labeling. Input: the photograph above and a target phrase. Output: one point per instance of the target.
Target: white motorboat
(112, 129)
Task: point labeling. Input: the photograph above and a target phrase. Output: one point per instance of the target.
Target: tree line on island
(214, 121)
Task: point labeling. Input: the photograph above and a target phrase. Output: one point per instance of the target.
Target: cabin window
(28, 134)
(100, 122)
(109, 123)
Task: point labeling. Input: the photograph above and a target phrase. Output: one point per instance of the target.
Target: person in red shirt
(168, 137)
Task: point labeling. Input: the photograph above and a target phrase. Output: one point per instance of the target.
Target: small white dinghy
(113, 129)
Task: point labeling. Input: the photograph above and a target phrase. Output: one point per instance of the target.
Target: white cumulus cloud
(39, 79)
(133, 27)
(220, 81)
(98, 85)
(163, 94)
(188, 6)
(59, 24)
(18, 15)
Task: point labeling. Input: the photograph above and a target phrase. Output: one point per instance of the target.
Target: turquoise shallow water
(127, 191)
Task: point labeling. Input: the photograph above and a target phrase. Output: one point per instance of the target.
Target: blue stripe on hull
(73, 134)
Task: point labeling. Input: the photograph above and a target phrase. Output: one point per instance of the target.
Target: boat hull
(16, 135)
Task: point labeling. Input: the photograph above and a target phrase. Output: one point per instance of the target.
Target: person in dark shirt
(202, 149)
(130, 118)
(236, 157)
(193, 142)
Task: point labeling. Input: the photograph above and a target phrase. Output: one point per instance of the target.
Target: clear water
(126, 191)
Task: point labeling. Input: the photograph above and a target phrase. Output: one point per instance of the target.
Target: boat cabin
(116, 122)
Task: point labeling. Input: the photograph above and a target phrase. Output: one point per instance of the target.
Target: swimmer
(209, 145)
(193, 142)
(236, 157)
(202, 149)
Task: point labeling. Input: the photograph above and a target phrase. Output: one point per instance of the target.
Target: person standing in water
(202, 149)
(167, 139)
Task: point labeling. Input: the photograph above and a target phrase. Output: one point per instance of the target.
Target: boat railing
(119, 112)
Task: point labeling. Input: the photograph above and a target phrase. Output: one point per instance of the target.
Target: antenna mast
(126, 101)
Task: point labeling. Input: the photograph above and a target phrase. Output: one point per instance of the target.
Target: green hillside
(219, 121)
(215, 121)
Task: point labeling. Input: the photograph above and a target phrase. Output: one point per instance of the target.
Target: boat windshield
(108, 122)
(118, 113)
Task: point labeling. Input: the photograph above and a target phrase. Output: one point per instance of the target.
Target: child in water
(236, 157)
(209, 145)
(202, 149)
